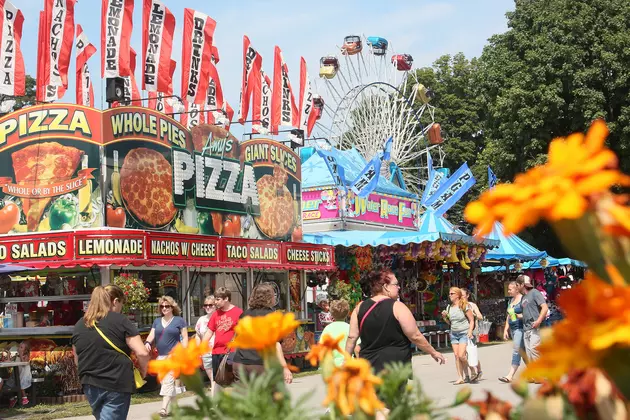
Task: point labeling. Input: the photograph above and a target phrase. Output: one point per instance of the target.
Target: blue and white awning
(511, 247)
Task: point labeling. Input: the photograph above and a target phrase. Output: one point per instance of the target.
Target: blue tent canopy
(535, 265)
(432, 227)
(511, 247)
(373, 238)
(431, 222)
(315, 173)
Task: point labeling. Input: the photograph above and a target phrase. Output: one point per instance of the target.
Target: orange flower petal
(598, 182)
(571, 206)
(596, 136)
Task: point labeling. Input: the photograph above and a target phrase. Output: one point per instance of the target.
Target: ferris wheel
(372, 93)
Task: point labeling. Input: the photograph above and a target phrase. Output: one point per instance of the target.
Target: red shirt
(222, 323)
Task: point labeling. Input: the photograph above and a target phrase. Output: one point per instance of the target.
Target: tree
(26, 100)
(452, 78)
(560, 65)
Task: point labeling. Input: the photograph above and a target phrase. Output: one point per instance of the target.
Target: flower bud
(463, 395)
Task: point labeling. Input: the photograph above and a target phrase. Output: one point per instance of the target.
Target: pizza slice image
(43, 164)
(276, 205)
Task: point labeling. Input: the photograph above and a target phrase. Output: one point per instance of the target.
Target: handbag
(137, 376)
(225, 374)
(471, 350)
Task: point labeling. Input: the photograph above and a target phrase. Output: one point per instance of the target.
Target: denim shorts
(459, 337)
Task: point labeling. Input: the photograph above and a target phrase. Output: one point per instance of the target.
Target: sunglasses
(207, 305)
(452, 294)
(165, 306)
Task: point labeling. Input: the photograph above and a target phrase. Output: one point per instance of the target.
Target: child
(339, 310)
(323, 318)
(26, 379)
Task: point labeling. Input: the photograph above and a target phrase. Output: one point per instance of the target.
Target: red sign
(171, 246)
(136, 247)
(27, 248)
(109, 244)
(307, 254)
(250, 251)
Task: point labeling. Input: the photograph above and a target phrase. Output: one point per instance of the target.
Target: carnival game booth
(129, 196)
(493, 281)
(426, 262)
(550, 275)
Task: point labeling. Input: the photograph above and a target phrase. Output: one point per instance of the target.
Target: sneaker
(25, 401)
(12, 402)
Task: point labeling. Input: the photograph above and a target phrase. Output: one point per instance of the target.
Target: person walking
(167, 331)
(514, 321)
(200, 330)
(106, 372)
(461, 319)
(477, 315)
(339, 310)
(535, 310)
(386, 326)
(221, 328)
(260, 303)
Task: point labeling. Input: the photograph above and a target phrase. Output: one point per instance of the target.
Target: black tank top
(382, 337)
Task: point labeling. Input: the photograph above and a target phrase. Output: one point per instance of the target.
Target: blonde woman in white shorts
(201, 327)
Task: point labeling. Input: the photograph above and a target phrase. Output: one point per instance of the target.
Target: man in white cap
(535, 310)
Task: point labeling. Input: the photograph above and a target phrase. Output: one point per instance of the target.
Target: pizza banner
(50, 169)
(159, 176)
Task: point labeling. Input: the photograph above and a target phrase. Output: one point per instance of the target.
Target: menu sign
(305, 254)
(176, 247)
(105, 245)
(31, 248)
(251, 251)
(49, 169)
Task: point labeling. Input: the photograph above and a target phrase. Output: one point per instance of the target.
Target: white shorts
(168, 383)
(207, 361)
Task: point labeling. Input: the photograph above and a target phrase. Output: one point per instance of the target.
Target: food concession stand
(89, 196)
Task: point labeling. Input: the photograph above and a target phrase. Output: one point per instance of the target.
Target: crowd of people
(381, 329)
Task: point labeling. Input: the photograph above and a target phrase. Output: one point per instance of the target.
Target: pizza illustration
(146, 186)
(277, 214)
(39, 165)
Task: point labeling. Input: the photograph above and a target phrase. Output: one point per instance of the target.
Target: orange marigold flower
(351, 387)
(578, 169)
(261, 333)
(180, 361)
(597, 318)
(492, 407)
(325, 347)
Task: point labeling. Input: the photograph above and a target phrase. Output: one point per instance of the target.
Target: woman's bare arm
(353, 336)
(142, 353)
(410, 329)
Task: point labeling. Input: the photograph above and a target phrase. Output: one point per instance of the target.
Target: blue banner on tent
(452, 190)
(492, 178)
(367, 180)
(335, 169)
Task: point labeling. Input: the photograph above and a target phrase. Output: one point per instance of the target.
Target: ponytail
(101, 303)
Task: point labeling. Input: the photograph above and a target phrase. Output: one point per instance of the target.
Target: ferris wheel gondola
(372, 94)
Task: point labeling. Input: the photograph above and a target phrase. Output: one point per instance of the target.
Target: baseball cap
(527, 281)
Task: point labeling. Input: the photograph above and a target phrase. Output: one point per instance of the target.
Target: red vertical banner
(262, 104)
(158, 27)
(84, 86)
(160, 101)
(283, 109)
(43, 91)
(116, 28)
(59, 17)
(196, 55)
(12, 73)
(252, 63)
(306, 97)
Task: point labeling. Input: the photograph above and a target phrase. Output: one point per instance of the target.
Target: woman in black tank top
(386, 327)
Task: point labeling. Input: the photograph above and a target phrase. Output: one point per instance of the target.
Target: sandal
(475, 377)
(467, 380)
(459, 382)
(163, 413)
(479, 375)
(504, 380)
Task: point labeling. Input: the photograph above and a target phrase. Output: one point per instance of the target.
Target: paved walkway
(437, 381)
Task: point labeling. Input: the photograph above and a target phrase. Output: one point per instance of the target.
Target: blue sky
(424, 29)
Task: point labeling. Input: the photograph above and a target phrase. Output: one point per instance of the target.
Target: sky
(424, 29)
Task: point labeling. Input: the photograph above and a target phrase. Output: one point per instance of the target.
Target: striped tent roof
(511, 247)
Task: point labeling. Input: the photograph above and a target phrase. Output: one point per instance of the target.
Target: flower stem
(618, 369)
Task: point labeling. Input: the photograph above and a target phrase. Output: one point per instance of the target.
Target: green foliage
(28, 99)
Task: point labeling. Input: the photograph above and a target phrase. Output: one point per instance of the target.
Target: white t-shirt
(202, 326)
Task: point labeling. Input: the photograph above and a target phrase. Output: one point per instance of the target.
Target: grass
(77, 409)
